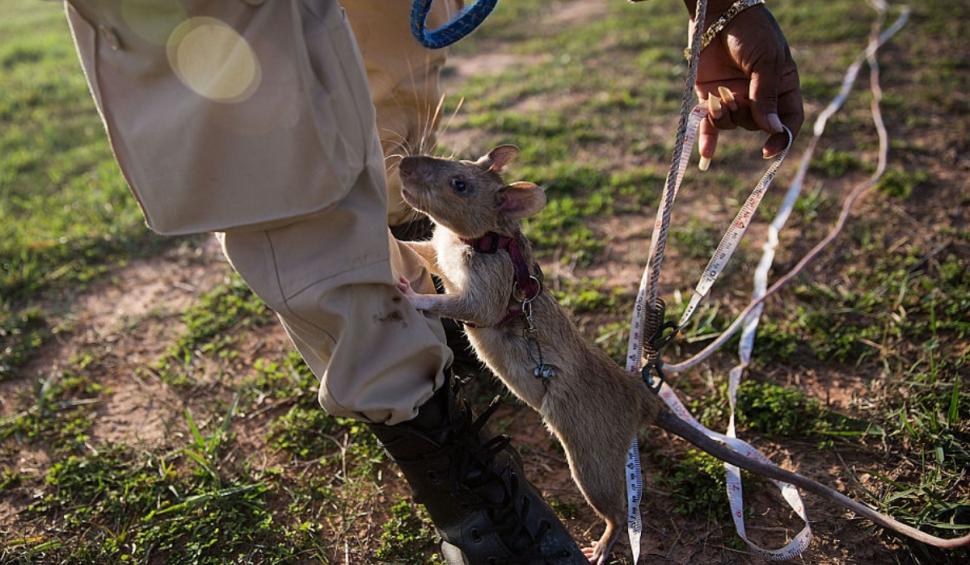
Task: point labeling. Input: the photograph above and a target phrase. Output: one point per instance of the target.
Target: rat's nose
(408, 166)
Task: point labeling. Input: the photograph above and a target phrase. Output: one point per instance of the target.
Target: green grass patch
(696, 483)
(212, 325)
(21, 334)
(587, 296)
(145, 508)
(774, 410)
(901, 184)
(832, 163)
(408, 536)
(61, 412)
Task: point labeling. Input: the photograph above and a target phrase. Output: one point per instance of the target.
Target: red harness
(529, 285)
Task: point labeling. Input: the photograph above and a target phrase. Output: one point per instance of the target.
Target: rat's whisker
(447, 125)
(435, 118)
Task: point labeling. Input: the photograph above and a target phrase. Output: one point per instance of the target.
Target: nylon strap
(461, 25)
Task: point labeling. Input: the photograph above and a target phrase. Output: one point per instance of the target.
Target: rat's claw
(403, 285)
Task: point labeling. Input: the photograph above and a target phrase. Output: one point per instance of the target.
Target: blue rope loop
(460, 26)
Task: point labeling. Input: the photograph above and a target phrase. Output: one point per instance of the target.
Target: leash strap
(722, 255)
(647, 294)
(461, 25)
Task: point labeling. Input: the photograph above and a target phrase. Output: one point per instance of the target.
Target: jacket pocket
(336, 79)
(202, 155)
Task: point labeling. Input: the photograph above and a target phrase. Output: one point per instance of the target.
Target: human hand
(749, 79)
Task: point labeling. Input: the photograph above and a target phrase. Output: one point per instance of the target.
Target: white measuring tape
(749, 320)
(819, 127)
(735, 232)
(750, 324)
(634, 477)
(722, 255)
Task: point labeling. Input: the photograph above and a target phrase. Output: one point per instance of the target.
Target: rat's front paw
(419, 301)
(404, 286)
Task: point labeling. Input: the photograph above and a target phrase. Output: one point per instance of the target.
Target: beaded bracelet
(722, 22)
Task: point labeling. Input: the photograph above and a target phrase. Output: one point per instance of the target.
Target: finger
(714, 108)
(707, 143)
(728, 120)
(765, 79)
(792, 113)
(741, 117)
(775, 144)
(728, 98)
(792, 108)
(778, 141)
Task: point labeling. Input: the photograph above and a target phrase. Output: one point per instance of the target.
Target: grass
(773, 410)
(249, 469)
(59, 409)
(23, 332)
(231, 306)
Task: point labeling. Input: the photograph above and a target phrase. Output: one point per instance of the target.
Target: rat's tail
(670, 422)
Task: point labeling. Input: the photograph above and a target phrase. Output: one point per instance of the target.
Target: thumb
(765, 77)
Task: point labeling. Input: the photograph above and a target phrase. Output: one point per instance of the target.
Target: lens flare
(213, 60)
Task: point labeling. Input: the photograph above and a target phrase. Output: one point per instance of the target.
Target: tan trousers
(331, 277)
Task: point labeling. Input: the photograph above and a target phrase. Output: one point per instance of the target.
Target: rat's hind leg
(599, 473)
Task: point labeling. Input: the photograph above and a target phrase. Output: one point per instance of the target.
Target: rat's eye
(458, 185)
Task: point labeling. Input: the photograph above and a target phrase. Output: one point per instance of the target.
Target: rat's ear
(521, 200)
(497, 158)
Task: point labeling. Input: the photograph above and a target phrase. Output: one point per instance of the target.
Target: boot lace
(472, 472)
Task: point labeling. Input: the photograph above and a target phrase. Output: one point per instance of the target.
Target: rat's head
(469, 197)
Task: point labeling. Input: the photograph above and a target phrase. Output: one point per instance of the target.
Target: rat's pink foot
(404, 286)
(419, 301)
(596, 554)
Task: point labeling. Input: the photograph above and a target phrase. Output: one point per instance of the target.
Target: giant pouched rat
(592, 405)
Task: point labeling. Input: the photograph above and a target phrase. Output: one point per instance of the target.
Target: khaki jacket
(227, 113)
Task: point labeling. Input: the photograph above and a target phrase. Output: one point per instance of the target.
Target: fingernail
(704, 163)
(727, 95)
(714, 105)
(775, 122)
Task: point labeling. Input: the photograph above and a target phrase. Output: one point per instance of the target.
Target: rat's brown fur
(592, 405)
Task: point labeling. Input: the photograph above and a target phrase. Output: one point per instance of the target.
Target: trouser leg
(331, 279)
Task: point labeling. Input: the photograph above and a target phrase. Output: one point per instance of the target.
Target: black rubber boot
(474, 488)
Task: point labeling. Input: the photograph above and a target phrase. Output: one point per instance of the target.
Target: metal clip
(659, 339)
(653, 384)
(542, 370)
